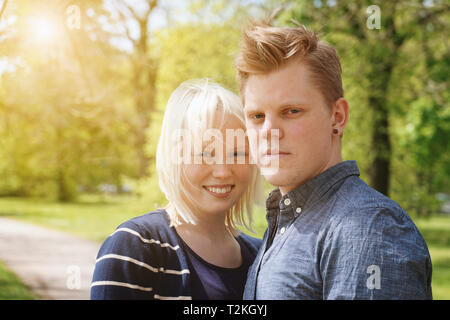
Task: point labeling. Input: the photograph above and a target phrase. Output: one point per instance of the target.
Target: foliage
(396, 80)
(189, 51)
(66, 123)
(11, 286)
(85, 107)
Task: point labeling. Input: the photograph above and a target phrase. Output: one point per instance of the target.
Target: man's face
(287, 100)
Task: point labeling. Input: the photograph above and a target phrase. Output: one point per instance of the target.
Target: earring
(335, 131)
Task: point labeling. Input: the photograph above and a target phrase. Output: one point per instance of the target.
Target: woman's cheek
(243, 173)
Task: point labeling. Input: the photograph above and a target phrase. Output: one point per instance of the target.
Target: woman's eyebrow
(251, 109)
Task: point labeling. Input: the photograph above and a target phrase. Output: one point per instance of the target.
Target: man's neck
(334, 160)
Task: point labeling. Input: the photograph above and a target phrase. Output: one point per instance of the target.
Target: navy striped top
(143, 259)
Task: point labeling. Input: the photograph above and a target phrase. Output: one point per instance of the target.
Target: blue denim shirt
(334, 237)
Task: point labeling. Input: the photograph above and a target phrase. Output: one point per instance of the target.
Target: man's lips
(272, 154)
(271, 158)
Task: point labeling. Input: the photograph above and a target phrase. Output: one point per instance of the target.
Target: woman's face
(215, 187)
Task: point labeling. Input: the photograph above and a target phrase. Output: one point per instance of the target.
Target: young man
(330, 235)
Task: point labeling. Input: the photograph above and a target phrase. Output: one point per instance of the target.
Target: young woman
(191, 249)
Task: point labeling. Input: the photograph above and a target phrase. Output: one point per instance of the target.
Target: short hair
(264, 48)
(195, 106)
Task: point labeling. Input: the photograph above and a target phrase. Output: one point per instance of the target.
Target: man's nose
(271, 128)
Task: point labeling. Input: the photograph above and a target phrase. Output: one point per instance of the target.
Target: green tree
(188, 51)
(144, 67)
(373, 52)
(66, 115)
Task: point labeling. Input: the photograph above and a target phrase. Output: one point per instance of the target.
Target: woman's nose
(222, 171)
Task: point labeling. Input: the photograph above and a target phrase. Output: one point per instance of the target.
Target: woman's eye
(207, 154)
(240, 154)
(237, 157)
(258, 116)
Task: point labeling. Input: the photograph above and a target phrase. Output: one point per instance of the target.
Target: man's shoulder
(356, 194)
(369, 213)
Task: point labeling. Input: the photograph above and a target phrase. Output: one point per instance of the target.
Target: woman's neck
(211, 230)
(209, 227)
(212, 240)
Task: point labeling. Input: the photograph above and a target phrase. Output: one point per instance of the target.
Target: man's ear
(340, 115)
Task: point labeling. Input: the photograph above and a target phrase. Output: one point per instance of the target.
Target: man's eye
(292, 111)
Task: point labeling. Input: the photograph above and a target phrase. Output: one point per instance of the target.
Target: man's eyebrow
(296, 103)
(292, 104)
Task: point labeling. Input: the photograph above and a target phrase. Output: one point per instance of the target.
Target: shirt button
(298, 210)
(287, 201)
(282, 230)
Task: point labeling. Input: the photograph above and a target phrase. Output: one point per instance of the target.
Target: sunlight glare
(45, 29)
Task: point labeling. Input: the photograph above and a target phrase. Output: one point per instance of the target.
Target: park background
(84, 84)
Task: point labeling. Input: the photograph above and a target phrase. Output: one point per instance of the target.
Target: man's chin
(270, 172)
(285, 180)
(275, 178)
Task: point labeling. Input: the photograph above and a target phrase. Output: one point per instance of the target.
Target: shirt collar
(310, 192)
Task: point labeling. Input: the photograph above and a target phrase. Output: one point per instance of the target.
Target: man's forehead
(288, 86)
(279, 102)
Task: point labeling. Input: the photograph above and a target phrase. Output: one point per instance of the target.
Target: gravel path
(52, 264)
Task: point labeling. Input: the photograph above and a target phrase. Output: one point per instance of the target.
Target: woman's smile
(220, 191)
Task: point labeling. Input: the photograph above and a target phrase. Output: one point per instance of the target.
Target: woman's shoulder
(152, 227)
(131, 260)
(151, 221)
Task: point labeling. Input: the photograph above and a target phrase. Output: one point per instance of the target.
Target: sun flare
(44, 29)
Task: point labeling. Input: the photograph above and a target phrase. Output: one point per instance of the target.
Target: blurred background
(84, 84)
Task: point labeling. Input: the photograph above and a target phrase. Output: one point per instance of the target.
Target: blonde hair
(264, 48)
(195, 106)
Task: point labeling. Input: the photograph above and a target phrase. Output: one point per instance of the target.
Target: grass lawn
(95, 217)
(11, 288)
(436, 231)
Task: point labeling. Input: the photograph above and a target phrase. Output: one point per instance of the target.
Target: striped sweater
(143, 259)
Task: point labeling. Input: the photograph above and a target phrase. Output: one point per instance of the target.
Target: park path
(52, 264)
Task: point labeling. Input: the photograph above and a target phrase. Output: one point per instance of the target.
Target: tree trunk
(144, 86)
(381, 145)
(382, 58)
